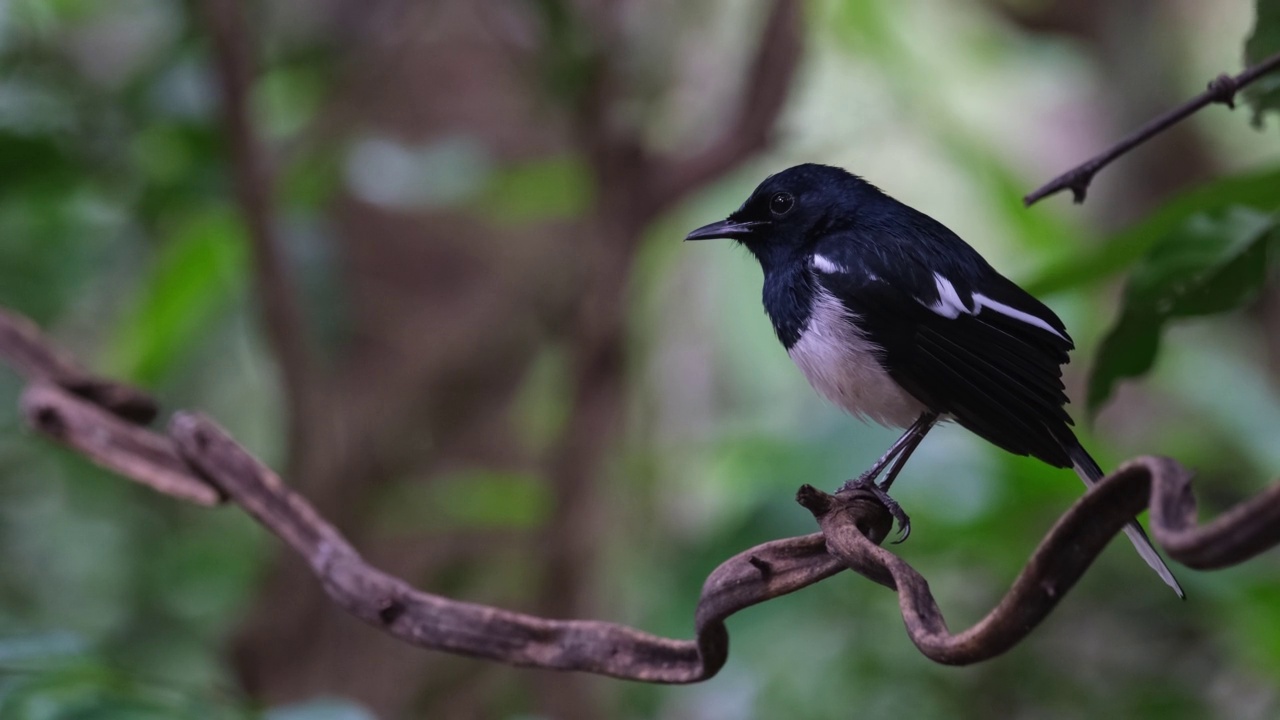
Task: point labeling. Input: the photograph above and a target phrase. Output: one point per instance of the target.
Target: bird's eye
(781, 203)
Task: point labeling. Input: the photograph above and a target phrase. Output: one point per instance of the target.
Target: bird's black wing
(974, 346)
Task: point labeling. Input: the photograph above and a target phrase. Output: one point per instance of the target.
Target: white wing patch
(982, 301)
(822, 263)
(949, 305)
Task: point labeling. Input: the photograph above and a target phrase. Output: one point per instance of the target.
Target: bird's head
(790, 210)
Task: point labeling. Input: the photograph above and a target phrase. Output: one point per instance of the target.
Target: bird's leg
(925, 424)
(907, 442)
(917, 431)
(898, 454)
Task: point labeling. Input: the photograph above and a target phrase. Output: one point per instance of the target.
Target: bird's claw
(864, 482)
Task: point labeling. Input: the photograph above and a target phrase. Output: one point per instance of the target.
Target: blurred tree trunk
(448, 311)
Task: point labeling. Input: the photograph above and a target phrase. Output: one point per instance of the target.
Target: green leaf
(197, 271)
(554, 188)
(36, 160)
(1258, 191)
(1211, 264)
(864, 26)
(287, 98)
(466, 499)
(1264, 94)
(95, 687)
(567, 60)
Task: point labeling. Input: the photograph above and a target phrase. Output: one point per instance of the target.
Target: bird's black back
(995, 373)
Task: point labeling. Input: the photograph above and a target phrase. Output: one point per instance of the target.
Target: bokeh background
(486, 355)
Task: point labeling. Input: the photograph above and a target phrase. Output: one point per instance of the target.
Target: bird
(895, 319)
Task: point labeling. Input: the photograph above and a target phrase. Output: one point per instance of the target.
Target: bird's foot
(868, 483)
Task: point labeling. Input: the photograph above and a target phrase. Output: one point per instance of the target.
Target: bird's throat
(788, 296)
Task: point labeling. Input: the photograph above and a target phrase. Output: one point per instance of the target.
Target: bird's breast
(845, 368)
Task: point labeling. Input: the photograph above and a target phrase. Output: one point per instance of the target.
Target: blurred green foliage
(1254, 191)
(473, 500)
(1209, 265)
(1263, 42)
(194, 275)
(538, 191)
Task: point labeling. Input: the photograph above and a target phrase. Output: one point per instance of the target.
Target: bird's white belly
(840, 363)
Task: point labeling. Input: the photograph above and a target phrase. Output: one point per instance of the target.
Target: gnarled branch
(852, 525)
(24, 347)
(135, 452)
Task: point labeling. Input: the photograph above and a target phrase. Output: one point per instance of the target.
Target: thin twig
(634, 185)
(1222, 89)
(254, 186)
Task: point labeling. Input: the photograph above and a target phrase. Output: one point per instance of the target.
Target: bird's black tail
(1090, 473)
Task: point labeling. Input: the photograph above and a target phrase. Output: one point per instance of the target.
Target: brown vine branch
(129, 450)
(439, 623)
(25, 348)
(1222, 89)
(852, 526)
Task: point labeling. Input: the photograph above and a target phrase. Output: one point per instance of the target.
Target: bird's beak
(732, 229)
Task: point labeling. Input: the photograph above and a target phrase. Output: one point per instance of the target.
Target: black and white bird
(894, 318)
